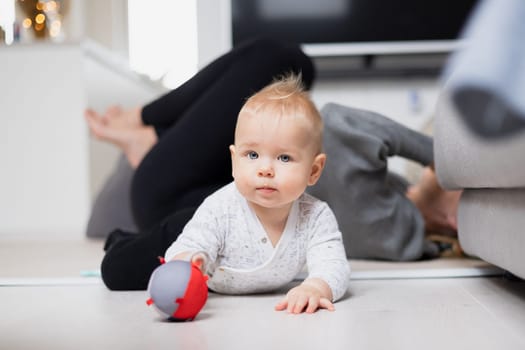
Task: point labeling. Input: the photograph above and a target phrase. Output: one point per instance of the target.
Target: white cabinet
(44, 177)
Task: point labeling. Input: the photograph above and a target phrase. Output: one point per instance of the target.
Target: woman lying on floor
(176, 149)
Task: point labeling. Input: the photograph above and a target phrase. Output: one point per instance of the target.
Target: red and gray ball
(178, 290)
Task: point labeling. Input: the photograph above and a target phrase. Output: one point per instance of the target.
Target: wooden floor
(51, 309)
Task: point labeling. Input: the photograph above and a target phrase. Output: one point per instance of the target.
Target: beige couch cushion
(463, 160)
(491, 226)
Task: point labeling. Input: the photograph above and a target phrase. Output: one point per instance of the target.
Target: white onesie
(243, 260)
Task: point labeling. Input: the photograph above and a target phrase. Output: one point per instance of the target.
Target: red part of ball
(194, 298)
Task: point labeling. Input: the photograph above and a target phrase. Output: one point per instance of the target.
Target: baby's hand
(307, 297)
(199, 260)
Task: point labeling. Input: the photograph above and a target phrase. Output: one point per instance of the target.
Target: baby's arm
(200, 240)
(199, 259)
(328, 268)
(312, 294)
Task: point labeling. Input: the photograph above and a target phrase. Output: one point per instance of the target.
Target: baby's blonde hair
(287, 97)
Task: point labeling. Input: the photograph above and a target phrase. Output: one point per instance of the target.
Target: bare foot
(124, 129)
(439, 207)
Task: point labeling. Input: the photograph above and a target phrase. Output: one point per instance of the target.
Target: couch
(479, 135)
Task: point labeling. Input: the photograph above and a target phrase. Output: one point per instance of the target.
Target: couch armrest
(464, 160)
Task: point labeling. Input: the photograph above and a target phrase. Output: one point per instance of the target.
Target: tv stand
(380, 65)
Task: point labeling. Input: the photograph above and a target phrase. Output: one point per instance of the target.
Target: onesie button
(264, 240)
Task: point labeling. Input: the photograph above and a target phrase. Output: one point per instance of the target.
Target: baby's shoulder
(308, 202)
(311, 208)
(223, 204)
(224, 195)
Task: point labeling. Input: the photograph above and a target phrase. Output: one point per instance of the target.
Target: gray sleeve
(386, 137)
(375, 217)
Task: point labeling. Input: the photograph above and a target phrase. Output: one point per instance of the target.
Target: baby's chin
(269, 204)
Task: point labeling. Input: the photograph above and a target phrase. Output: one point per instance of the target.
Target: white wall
(408, 101)
(213, 29)
(51, 168)
(106, 23)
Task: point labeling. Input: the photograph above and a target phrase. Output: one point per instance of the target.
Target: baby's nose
(266, 171)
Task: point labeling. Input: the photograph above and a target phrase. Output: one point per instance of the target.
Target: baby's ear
(317, 168)
(232, 153)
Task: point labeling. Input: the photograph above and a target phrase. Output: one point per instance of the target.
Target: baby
(256, 234)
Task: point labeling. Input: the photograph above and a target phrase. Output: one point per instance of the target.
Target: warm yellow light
(40, 18)
(56, 25)
(39, 26)
(54, 32)
(51, 6)
(27, 23)
(40, 5)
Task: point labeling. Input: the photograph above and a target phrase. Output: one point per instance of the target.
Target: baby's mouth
(266, 189)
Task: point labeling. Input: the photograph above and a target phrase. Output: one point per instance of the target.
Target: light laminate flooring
(461, 313)
(377, 313)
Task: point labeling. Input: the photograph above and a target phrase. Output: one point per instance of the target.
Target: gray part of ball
(168, 282)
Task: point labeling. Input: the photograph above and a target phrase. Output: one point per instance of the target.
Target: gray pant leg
(112, 206)
(374, 215)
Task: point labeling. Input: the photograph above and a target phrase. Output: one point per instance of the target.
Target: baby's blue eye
(284, 158)
(253, 155)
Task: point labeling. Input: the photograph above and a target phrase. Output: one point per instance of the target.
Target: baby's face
(274, 159)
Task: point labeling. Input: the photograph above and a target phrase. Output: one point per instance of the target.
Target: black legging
(195, 124)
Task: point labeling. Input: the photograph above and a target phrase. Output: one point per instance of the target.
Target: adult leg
(376, 218)
(112, 206)
(191, 158)
(438, 207)
(262, 59)
(125, 129)
(130, 258)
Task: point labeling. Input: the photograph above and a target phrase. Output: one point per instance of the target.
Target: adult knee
(118, 275)
(288, 54)
(111, 273)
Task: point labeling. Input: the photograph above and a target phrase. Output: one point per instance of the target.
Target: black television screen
(352, 23)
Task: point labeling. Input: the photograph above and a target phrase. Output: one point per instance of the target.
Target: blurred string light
(43, 18)
(163, 39)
